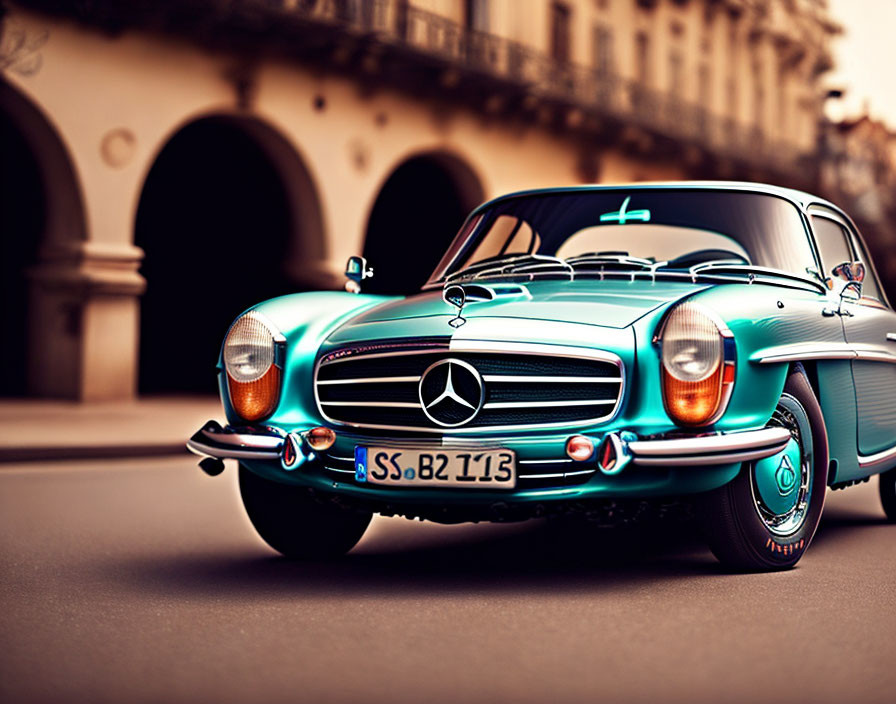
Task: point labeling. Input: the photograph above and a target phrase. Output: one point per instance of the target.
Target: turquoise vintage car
(577, 349)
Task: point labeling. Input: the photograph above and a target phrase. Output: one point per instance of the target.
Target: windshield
(629, 228)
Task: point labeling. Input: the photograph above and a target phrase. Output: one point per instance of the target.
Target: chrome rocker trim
(212, 440)
(879, 461)
(710, 449)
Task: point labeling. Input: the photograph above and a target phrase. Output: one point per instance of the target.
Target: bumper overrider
(287, 452)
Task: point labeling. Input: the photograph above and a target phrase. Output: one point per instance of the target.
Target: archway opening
(221, 229)
(22, 225)
(417, 213)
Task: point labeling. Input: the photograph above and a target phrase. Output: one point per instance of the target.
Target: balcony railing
(435, 37)
(414, 38)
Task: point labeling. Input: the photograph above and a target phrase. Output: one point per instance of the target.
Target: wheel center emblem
(451, 392)
(785, 477)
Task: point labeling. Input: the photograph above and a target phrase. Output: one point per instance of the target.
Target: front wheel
(887, 489)
(294, 524)
(766, 517)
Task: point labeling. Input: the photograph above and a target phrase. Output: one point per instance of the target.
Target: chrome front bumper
(723, 448)
(267, 443)
(249, 443)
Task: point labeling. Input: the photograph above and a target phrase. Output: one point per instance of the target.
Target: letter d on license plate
(472, 469)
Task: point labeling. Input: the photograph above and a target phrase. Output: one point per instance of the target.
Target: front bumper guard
(268, 443)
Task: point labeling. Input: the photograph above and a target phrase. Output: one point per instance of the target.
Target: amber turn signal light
(254, 400)
(693, 402)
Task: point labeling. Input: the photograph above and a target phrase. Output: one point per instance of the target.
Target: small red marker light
(607, 455)
(580, 448)
(290, 451)
(320, 439)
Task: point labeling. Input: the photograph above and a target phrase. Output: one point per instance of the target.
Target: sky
(865, 58)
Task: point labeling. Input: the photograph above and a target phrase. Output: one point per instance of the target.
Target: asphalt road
(142, 581)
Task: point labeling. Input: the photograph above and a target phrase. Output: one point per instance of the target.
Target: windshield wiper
(751, 271)
(620, 263)
(530, 264)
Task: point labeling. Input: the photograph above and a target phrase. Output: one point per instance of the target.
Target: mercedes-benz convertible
(727, 345)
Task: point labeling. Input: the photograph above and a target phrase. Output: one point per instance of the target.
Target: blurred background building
(167, 163)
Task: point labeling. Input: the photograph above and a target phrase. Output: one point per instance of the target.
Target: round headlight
(249, 356)
(696, 376)
(692, 344)
(248, 348)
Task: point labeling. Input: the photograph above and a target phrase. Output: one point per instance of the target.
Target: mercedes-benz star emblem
(451, 392)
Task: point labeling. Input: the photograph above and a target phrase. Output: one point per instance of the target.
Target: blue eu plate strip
(360, 464)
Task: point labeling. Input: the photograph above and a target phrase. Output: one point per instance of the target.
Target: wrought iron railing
(436, 37)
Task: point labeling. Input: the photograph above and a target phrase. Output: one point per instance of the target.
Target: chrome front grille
(525, 386)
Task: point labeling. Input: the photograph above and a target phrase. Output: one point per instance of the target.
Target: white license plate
(472, 469)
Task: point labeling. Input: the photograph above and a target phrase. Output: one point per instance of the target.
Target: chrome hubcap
(781, 484)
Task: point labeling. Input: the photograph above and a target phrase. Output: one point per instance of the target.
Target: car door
(870, 327)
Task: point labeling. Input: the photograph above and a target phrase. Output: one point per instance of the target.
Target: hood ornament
(457, 297)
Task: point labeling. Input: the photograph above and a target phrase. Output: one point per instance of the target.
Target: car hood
(554, 308)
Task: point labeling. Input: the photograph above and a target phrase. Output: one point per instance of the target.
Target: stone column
(84, 332)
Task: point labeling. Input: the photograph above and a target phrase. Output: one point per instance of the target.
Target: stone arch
(229, 215)
(418, 210)
(42, 226)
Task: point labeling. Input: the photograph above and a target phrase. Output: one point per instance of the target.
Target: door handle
(891, 336)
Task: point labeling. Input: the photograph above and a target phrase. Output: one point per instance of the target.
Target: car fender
(305, 320)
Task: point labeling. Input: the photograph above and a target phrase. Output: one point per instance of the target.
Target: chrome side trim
(513, 378)
(881, 460)
(833, 350)
(874, 356)
(803, 351)
(371, 380)
(710, 449)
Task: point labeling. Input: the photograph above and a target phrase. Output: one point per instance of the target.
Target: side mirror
(850, 271)
(356, 270)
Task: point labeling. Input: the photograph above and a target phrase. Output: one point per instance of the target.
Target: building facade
(166, 164)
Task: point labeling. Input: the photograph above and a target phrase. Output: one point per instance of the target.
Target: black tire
(887, 489)
(731, 516)
(295, 524)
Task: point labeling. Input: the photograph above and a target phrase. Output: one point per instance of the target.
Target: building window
(731, 96)
(704, 87)
(560, 34)
(476, 15)
(758, 98)
(676, 73)
(642, 58)
(602, 50)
